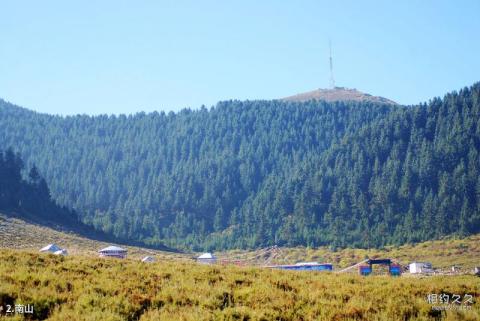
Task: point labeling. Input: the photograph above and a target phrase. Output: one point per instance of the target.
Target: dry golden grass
(87, 288)
(84, 287)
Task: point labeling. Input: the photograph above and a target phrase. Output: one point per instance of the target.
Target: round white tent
(148, 259)
(50, 248)
(61, 252)
(207, 258)
(113, 251)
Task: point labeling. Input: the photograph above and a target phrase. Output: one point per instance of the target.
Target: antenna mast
(332, 80)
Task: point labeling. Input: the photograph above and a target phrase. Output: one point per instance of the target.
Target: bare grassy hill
(18, 234)
(338, 94)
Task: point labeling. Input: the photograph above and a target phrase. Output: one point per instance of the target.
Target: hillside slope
(19, 234)
(175, 178)
(27, 197)
(258, 173)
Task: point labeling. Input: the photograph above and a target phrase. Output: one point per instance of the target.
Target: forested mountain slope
(410, 176)
(29, 197)
(253, 173)
(25, 203)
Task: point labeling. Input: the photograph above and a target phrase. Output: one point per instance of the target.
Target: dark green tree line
(28, 195)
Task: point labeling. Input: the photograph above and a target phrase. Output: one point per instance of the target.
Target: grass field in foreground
(87, 288)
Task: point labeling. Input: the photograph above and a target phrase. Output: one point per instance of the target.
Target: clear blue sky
(68, 57)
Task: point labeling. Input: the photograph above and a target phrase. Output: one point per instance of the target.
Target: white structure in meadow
(207, 258)
(148, 259)
(52, 248)
(113, 251)
(61, 252)
(420, 267)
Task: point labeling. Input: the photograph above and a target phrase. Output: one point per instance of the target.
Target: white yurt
(148, 259)
(61, 252)
(207, 258)
(50, 248)
(113, 251)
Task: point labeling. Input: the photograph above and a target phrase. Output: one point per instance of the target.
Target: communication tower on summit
(332, 80)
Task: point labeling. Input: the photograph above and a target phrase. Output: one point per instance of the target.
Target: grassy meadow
(88, 288)
(84, 287)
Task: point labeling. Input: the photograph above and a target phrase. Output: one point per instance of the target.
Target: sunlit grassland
(88, 288)
(84, 287)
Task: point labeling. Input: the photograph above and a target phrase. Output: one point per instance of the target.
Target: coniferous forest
(29, 196)
(257, 173)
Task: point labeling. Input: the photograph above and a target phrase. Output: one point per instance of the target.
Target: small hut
(113, 251)
(304, 266)
(207, 258)
(62, 252)
(148, 259)
(52, 248)
(420, 267)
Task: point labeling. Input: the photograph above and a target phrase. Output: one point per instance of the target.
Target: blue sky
(69, 57)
